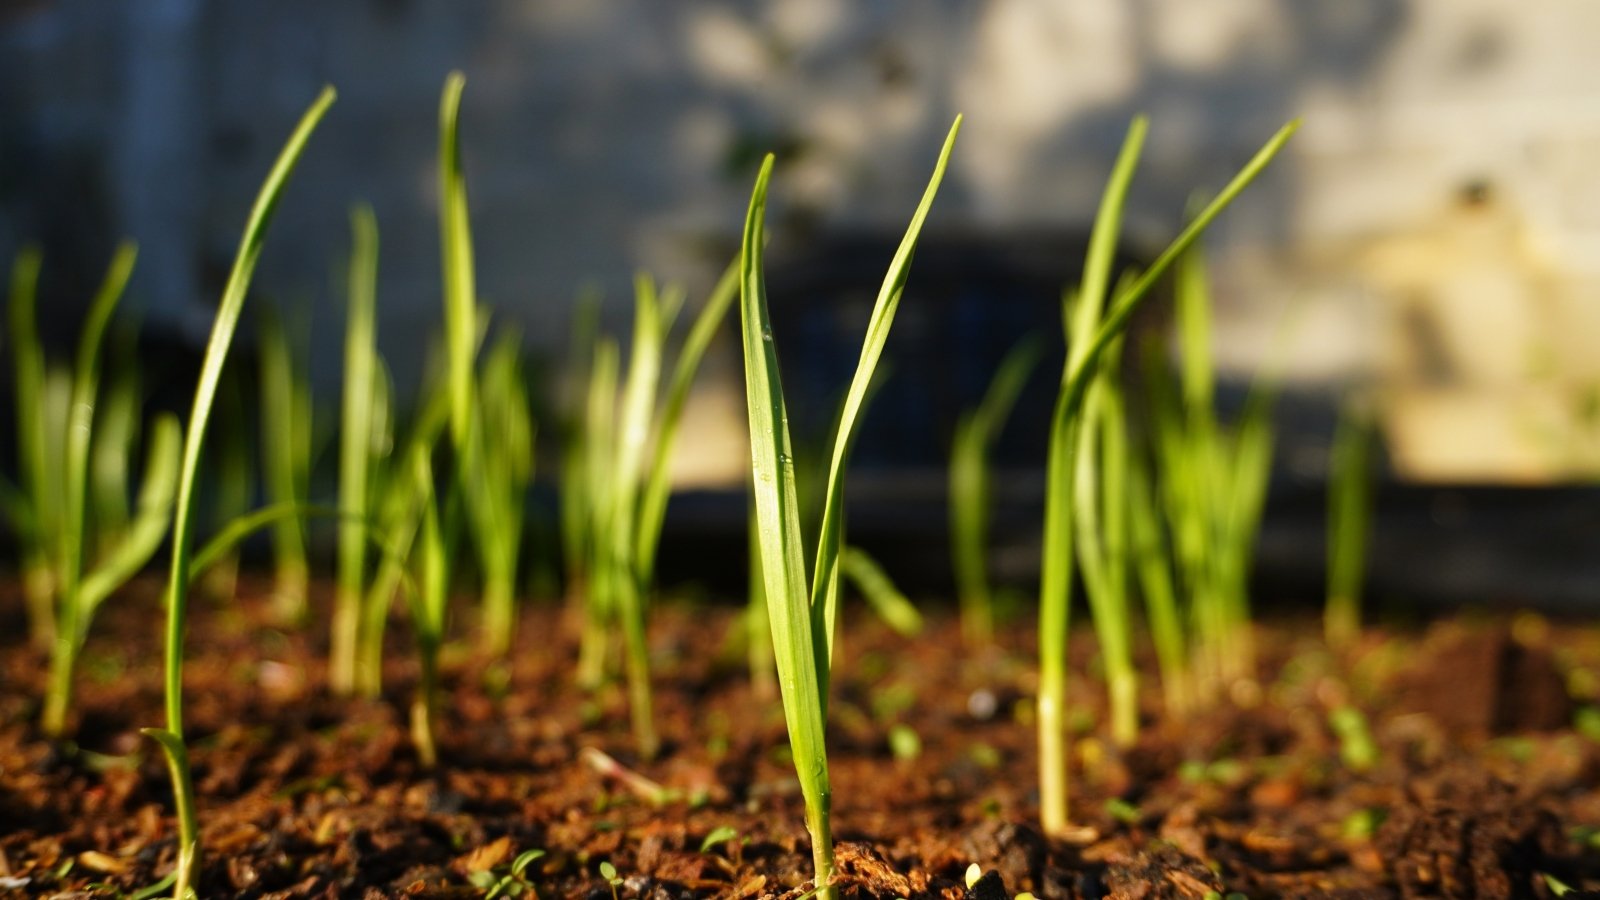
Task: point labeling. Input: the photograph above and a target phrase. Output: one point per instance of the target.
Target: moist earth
(1486, 780)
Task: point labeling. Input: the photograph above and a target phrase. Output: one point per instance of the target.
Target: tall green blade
(653, 506)
(27, 356)
(799, 660)
(1060, 471)
(825, 572)
(455, 235)
(638, 402)
(355, 445)
(177, 594)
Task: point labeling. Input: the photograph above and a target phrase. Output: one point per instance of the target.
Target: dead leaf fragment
(104, 863)
(486, 857)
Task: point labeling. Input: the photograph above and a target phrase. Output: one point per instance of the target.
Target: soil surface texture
(1481, 777)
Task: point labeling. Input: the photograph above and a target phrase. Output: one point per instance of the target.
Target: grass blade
(455, 236)
(799, 659)
(216, 353)
(653, 507)
(825, 572)
(355, 446)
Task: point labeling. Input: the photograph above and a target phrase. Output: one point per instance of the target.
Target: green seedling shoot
(1152, 562)
(361, 438)
(801, 604)
(286, 424)
(83, 587)
(1101, 528)
(232, 481)
(40, 500)
(628, 487)
(576, 507)
(599, 427)
(428, 606)
(177, 592)
(398, 505)
(504, 471)
(1350, 489)
(970, 489)
(885, 600)
(1357, 750)
(1213, 486)
(1081, 368)
(117, 430)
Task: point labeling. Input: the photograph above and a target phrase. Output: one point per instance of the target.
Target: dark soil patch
(1481, 788)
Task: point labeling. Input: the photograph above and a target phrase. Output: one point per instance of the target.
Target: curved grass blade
(799, 658)
(970, 487)
(32, 445)
(222, 330)
(455, 236)
(825, 571)
(653, 507)
(879, 590)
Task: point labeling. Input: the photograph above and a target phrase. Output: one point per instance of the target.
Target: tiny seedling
(177, 592)
(81, 592)
(1081, 369)
(609, 873)
(718, 836)
(904, 743)
(502, 470)
(1357, 750)
(40, 503)
(1213, 488)
(879, 590)
(628, 500)
(970, 488)
(1350, 490)
(512, 882)
(286, 425)
(802, 605)
(362, 436)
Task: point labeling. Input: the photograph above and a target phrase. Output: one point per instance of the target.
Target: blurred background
(1432, 234)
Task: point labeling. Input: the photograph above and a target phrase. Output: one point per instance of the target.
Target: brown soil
(1481, 788)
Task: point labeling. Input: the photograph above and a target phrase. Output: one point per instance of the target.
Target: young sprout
(460, 293)
(1214, 487)
(574, 476)
(609, 873)
(361, 438)
(970, 482)
(1101, 523)
(286, 420)
(38, 514)
(1152, 562)
(497, 490)
(232, 479)
(616, 551)
(801, 604)
(227, 319)
(399, 501)
(879, 590)
(1079, 372)
(428, 603)
(82, 588)
(1357, 750)
(118, 417)
(628, 498)
(1350, 490)
(599, 426)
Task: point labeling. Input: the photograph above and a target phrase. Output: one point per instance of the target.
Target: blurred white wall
(605, 135)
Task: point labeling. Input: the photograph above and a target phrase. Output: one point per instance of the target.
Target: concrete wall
(605, 135)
